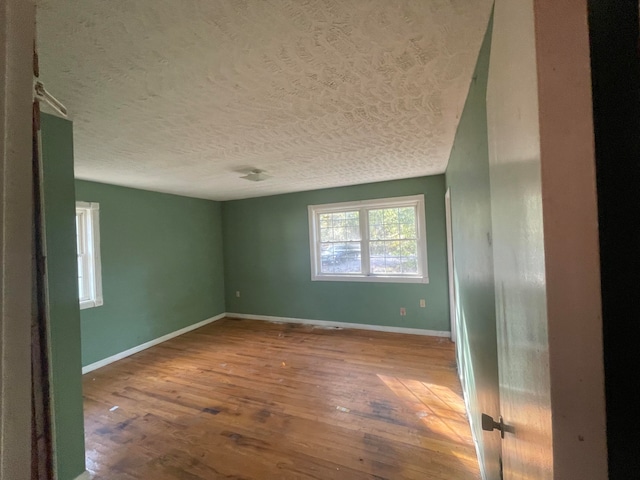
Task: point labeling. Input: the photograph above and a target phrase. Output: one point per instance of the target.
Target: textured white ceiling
(180, 96)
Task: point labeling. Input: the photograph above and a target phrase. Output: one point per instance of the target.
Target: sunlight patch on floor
(439, 409)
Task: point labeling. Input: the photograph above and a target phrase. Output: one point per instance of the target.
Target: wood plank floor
(251, 400)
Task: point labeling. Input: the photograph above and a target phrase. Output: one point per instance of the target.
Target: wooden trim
(571, 246)
(327, 323)
(119, 356)
(83, 476)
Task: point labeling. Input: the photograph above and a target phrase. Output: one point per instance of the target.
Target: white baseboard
(144, 346)
(83, 476)
(327, 323)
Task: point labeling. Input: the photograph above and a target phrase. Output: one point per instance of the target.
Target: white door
(518, 244)
(544, 223)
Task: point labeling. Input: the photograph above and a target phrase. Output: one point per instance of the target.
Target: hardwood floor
(242, 399)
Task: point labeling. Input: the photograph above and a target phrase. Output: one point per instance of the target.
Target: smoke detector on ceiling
(256, 175)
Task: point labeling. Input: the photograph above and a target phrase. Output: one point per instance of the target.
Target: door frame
(17, 32)
(453, 294)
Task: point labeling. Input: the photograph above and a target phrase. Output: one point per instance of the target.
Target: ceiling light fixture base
(256, 175)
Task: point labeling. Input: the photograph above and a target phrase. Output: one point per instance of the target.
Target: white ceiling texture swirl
(187, 96)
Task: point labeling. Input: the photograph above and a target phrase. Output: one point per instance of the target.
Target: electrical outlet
(403, 311)
(423, 303)
(237, 293)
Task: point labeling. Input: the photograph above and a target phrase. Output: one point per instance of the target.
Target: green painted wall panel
(467, 177)
(162, 267)
(267, 259)
(64, 315)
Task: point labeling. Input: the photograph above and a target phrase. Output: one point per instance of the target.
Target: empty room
(314, 240)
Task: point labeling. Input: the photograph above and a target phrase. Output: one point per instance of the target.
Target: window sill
(368, 278)
(90, 303)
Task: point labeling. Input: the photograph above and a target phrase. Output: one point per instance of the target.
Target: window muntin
(88, 254)
(375, 240)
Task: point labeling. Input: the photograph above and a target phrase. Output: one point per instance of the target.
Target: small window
(88, 248)
(373, 241)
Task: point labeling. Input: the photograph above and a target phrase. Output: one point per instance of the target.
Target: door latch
(489, 424)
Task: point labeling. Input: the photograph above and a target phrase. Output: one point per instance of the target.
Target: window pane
(386, 265)
(391, 231)
(353, 233)
(376, 232)
(390, 215)
(392, 249)
(410, 265)
(375, 217)
(326, 234)
(393, 241)
(377, 265)
(81, 288)
(408, 230)
(340, 234)
(409, 248)
(80, 279)
(406, 215)
(338, 219)
(77, 233)
(81, 234)
(340, 242)
(339, 226)
(325, 220)
(343, 234)
(393, 265)
(353, 219)
(376, 249)
(341, 257)
(84, 279)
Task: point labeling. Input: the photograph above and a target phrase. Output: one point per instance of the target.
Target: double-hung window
(380, 240)
(88, 249)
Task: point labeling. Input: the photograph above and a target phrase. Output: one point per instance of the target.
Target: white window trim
(93, 230)
(364, 205)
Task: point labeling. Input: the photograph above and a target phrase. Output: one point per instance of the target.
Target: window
(88, 248)
(373, 241)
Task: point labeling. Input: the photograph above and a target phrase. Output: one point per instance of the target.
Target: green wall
(266, 251)
(467, 177)
(162, 267)
(64, 316)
